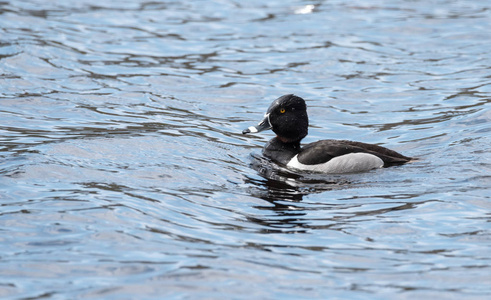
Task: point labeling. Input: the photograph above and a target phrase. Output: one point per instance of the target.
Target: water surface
(124, 173)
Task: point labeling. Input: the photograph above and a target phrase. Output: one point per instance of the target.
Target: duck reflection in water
(284, 190)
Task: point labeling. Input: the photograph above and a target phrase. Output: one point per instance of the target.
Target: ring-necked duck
(287, 117)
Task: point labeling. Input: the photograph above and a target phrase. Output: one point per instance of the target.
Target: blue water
(124, 173)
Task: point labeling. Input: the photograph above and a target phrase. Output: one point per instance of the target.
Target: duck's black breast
(281, 152)
(323, 151)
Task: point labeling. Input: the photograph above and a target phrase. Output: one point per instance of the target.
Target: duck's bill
(263, 125)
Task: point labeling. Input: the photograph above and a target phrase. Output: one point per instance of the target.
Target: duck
(287, 118)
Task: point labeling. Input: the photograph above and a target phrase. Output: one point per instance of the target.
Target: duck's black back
(322, 151)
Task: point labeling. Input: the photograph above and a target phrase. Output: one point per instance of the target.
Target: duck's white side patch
(348, 163)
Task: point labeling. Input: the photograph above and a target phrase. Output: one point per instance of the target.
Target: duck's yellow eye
(282, 110)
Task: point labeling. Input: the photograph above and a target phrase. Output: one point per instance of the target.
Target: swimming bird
(287, 117)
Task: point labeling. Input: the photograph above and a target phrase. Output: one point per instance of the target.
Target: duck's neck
(281, 152)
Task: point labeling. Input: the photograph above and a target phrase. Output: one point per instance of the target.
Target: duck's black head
(287, 117)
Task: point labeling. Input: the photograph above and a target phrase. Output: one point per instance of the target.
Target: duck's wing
(322, 151)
